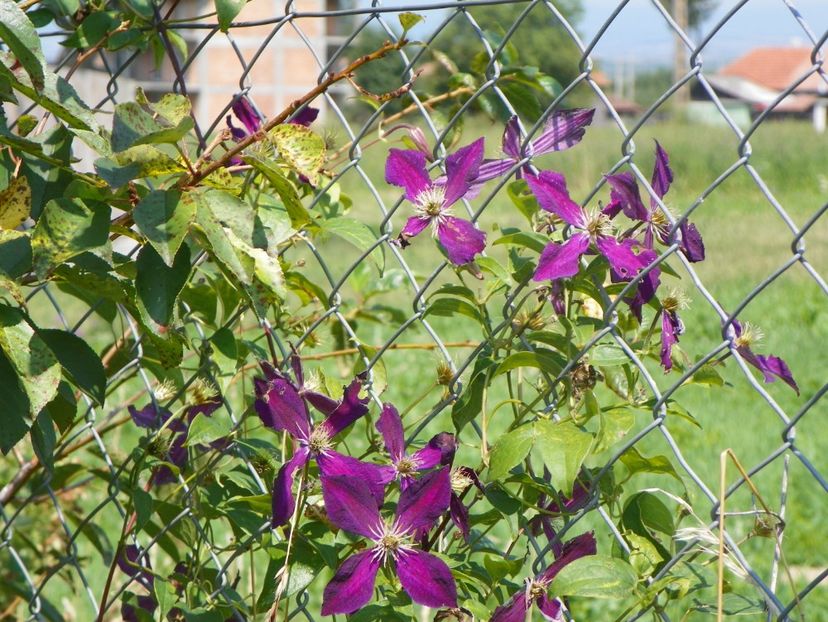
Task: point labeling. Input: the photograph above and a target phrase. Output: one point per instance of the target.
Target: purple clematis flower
(461, 478)
(432, 200)
(425, 577)
(560, 506)
(132, 561)
(772, 367)
(563, 129)
(671, 327)
(551, 608)
(561, 260)
(626, 197)
(438, 452)
(282, 406)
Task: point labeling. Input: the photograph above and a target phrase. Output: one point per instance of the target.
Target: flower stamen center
(675, 301)
(750, 336)
(407, 466)
(431, 201)
(597, 224)
(391, 541)
(320, 440)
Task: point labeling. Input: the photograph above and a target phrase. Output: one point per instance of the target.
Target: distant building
(619, 93)
(758, 78)
(287, 67)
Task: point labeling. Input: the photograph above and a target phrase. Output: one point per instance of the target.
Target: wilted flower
(626, 197)
(769, 365)
(438, 452)
(671, 327)
(517, 608)
(282, 406)
(563, 129)
(425, 577)
(433, 200)
(561, 260)
(154, 418)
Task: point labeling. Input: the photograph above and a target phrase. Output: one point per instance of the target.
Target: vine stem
(385, 49)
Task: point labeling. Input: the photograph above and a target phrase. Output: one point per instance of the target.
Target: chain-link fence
(52, 545)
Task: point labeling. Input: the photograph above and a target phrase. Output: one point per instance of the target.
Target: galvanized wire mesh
(17, 514)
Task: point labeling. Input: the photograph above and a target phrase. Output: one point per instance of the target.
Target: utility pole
(680, 15)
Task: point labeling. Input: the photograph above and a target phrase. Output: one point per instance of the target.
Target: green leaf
(94, 27)
(203, 430)
(645, 511)
(534, 241)
(357, 233)
(133, 126)
(164, 217)
(595, 577)
(448, 307)
(707, 375)
(134, 163)
(408, 21)
(30, 357)
(547, 362)
(470, 403)
(66, 228)
(614, 425)
(227, 11)
(299, 216)
(43, 440)
(15, 203)
(165, 596)
(637, 463)
(509, 450)
(15, 414)
(157, 285)
(300, 148)
(607, 355)
(15, 253)
(143, 506)
(563, 448)
(19, 34)
(79, 360)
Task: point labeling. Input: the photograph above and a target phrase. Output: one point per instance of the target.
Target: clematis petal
(462, 167)
(511, 139)
(390, 427)
(245, 112)
(321, 402)
(145, 602)
(563, 129)
(625, 190)
(149, 416)
(283, 502)
(305, 117)
(425, 500)
(772, 367)
(550, 190)
(647, 286)
(459, 516)
(461, 239)
(406, 168)
(353, 584)
(281, 408)
(513, 611)
(622, 259)
(132, 561)
(551, 608)
(351, 408)
(426, 578)
(235, 132)
(350, 505)
(578, 547)
(559, 261)
(489, 169)
(671, 328)
(439, 451)
(332, 464)
(692, 244)
(662, 173)
(414, 226)
(613, 208)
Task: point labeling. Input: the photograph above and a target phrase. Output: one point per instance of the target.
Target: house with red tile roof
(763, 75)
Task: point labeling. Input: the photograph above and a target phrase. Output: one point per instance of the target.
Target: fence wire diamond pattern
(30, 493)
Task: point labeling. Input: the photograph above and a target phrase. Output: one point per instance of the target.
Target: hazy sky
(641, 35)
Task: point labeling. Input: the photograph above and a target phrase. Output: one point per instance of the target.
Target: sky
(640, 36)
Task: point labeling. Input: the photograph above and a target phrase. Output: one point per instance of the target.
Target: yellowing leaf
(15, 203)
(303, 150)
